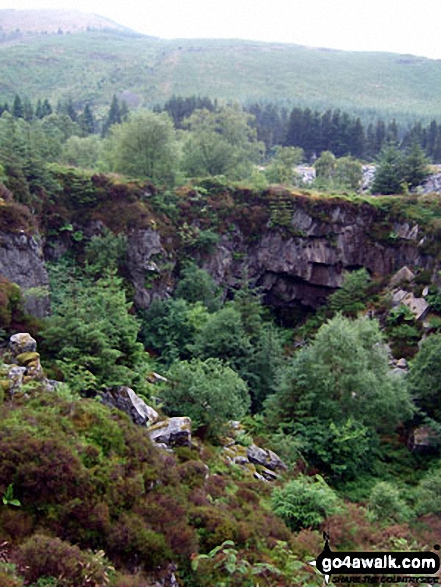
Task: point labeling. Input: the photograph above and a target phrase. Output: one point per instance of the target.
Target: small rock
(240, 460)
(268, 475)
(404, 274)
(260, 477)
(402, 363)
(15, 377)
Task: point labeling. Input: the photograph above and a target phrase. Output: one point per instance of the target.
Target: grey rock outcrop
(262, 464)
(266, 458)
(172, 432)
(432, 185)
(22, 262)
(418, 306)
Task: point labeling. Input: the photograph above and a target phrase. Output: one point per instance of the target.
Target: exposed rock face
(21, 261)
(125, 399)
(145, 260)
(307, 268)
(432, 185)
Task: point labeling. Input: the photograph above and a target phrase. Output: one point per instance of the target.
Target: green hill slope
(92, 66)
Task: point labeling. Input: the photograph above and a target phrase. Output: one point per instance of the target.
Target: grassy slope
(93, 66)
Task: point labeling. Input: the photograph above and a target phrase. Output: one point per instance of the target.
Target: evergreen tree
(113, 116)
(87, 121)
(102, 338)
(415, 166)
(17, 107)
(28, 110)
(389, 175)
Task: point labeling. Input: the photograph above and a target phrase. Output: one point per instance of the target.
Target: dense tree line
(336, 131)
(340, 133)
(23, 108)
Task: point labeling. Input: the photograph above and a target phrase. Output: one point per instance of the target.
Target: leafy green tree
(348, 173)
(60, 127)
(325, 166)
(82, 151)
(208, 391)
(222, 142)
(343, 374)
(304, 502)
(169, 327)
(428, 494)
(144, 147)
(341, 450)
(281, 168)
(425, 377)
(223, 336)
(105, 252)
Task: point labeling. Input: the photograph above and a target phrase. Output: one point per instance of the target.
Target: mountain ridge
(92, 65)
(53, 20)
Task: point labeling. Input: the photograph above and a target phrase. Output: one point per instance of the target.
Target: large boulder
(424, 440)
(22, 343)
(265, 457)
(125, 399)
(172, 432)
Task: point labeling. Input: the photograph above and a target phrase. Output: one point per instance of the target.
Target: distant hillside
(92, 66)
(53, 21)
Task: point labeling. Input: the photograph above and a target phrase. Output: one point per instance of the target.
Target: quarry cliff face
(22, 262)
(299, 262)
(306, 268)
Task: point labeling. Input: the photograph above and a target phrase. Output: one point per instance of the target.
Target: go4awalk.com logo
(371, 564)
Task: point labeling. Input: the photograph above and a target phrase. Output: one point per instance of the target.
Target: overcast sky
(400, 26)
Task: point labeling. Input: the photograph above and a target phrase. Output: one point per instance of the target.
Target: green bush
(428, 494)
(304, 502)
(386, 504)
